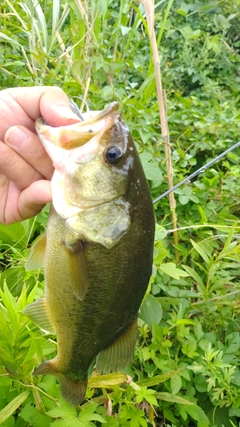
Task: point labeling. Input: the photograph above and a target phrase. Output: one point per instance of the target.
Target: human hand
(25, 168)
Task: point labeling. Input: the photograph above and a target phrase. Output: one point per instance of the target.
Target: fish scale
(98, 257)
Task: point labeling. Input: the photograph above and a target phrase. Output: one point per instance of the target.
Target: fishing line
(75, 107)
(197, 172)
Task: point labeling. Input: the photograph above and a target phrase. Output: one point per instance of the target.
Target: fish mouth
(95, 123)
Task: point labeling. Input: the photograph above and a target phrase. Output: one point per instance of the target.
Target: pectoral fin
(120, 353)
(39, 314)
(77, 269)
(37, 254)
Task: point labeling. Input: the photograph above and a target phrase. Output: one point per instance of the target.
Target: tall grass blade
(6, 412)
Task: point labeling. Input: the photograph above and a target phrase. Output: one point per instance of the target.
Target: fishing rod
(197, 172)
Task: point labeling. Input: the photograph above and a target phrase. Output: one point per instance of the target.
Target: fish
(97, 251)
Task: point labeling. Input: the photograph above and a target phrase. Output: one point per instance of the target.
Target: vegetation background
(186, 370)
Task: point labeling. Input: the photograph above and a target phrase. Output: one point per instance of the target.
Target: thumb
(55, 108)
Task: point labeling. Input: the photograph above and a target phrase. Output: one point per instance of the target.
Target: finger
(55, 108)
(50, 102)
(26, 204)
(16, 169)
(27, 145)
(22, 106)
(34, 198)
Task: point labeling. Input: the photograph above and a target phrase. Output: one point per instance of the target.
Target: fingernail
(67, 113)
(17, 137)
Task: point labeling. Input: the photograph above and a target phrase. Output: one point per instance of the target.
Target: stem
(68, 57)
(149, 8)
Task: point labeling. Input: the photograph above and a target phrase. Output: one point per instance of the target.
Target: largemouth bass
(99, 245)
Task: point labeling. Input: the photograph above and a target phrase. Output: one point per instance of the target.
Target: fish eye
(113, 154)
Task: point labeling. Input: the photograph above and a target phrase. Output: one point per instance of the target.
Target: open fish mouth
(77, 134)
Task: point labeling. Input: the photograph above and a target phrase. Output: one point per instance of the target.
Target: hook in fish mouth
(71, 136)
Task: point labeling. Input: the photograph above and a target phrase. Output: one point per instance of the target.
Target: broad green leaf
(13, 234)
(233, 343)
(160, 234)
(12, 406)
(151, 168)
(176, 383)
(68, 422)
(64, 411)
(107, 93)
(151, 310)
(146, 394)
(125, 30)
(183, 200)
(198, 414)
(188, 33)
(171, 270)
(183, 9)
(30, 414)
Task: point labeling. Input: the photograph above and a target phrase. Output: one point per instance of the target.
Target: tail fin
(73, 391)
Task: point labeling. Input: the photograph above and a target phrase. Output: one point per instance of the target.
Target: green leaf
(125, 30)
(12, 406)
(30, 414)
(151, 168)
(183, 200)
(198, 414)
(183, 10)
(68, 422)
(107, 93)
(195, 276)
(108, 380)
(188, 33)
(13, 234)
(88, 414)
(171, 270)
(160, 234)
(65, 410)
(176, 384)
(151, 310)
(201, 251)
(233, 343)
(11, 306)
(150, 382)
(168, 397)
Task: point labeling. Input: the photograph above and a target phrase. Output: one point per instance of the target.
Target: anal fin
(38, 312)
(120, 353)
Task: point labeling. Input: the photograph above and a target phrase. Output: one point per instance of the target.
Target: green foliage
(186, 366)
